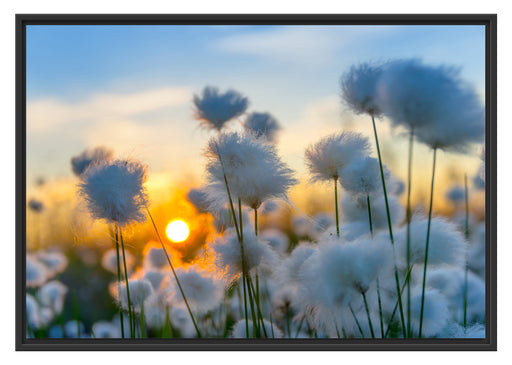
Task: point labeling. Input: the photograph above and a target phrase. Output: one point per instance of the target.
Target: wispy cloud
(44, 115)
(300, 45)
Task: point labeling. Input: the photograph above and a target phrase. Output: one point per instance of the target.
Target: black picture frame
(487, 344)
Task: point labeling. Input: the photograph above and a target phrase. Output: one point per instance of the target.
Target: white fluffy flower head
(228, 254)
(203, 291)
(90, 157)
(337, 272)
(114, 191)
(442, 110)
(359, 88)
(214, 108)
(252, 168)
(262, 125)
(331, 154)
(362, 176)
(109, 260)
(140, 290)
(446, 243)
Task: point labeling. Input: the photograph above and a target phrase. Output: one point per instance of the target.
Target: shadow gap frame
(487, 344)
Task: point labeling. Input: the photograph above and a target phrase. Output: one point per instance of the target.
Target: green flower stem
(466, 233)
(368, 314)
(255, 323)
(409, 216)
(407, 276)
(256, 221)
(258, 308)
(77, 317)
(378, 286)
(300, 325)
(130, 313)
(142, 322)
(336, 206)
(242, 253)
(175, 276)
(369, 213)
(119, 283)
(356, 320)
(397, 281)
(381, 321)
(427, 242)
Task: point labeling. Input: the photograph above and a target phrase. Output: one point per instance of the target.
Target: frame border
(487, 344)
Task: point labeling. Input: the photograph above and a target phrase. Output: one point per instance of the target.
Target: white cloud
(303, 45)
(45, 115)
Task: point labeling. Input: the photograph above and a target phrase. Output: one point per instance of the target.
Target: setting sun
(177, 231)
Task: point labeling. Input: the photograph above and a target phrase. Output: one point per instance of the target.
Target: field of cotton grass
(370, 266)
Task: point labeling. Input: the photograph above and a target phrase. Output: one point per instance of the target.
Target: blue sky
(71, 61)
(131, 86)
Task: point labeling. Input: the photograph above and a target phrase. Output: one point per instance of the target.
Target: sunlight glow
(177, 231)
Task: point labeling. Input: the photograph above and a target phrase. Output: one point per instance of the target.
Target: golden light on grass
(177, 231)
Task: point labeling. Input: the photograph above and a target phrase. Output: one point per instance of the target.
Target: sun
(177, 231)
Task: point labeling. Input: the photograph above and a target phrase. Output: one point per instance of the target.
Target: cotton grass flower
(55, 261)
(239, 329)
(321, 222)
(52, 295)
(35, 205)
(476, 250)
(355, 209)
(155, 277)
(104, 329)
(90, 157)
(359, 88)
(288, 273)
(253, 170)
(72, 329)
(442, 110)
(109, 261)
(199, 199)
(451, 281)
(447, 244)
(436, 313)
(181, 320)
(36, 273)
(454, 330)
(456, 194)
(214, 109)
(276, 239)
(326, 159)
(338, 273)
(203, 291)
(32, 312)
(228, 256)
(362, 176)
(262, 125)
(155, 259)
(114, 191)
(140, 290)
(301, 225)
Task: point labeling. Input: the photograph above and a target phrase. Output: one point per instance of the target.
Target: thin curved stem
(256, 221)
(119, 282)
(408, 215)
(466, 233)
(368, 314)
(336, 206)
(130, 313)
(244, 268)
(356, 320)
(425, 263)
(175, 276)
(390, 227)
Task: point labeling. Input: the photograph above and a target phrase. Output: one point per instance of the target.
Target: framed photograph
(256, 182)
